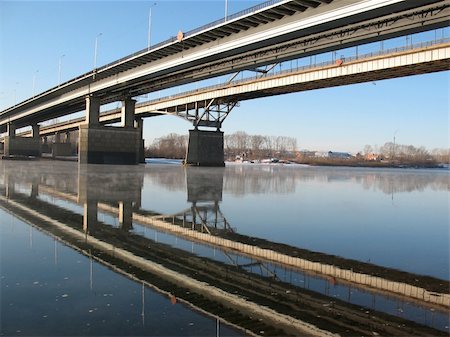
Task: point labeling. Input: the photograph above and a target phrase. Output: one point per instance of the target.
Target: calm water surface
(57, 281)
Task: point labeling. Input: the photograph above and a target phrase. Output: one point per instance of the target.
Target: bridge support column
(45, 147)
(126, 215)
(127, 113)
(205, 148)
(100, 144)
(92, 110)
(10, 186)
(22, 146)
(139, 125)
(90, 215)
(60, 148)
(11, 130)
(36, 139)
(34, 190)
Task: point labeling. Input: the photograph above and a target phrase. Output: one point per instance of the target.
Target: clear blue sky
(34, 35)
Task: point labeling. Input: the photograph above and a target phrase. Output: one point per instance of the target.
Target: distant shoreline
(352, 163)
(375, 164)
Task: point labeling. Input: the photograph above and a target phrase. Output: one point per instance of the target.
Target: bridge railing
(244, 12)
(194, 31)
(302, 68)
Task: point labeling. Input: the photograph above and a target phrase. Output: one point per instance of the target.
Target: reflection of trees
(276, 179)
(172, 178)
(241, 180)
(409, 182)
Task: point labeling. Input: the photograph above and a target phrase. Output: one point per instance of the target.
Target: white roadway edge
(182, 280)
(328, 16)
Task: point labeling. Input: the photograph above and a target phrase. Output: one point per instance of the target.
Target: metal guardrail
(194, 31)
(302, 68)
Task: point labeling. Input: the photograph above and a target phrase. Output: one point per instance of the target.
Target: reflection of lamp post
(150, 26)
(95, 50)
(59, 68)
(393, 148)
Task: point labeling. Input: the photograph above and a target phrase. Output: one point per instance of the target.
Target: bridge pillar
(45, 147)
(139, 125)
(92, 110)
(10, 186)
(127, 113)
(90, 215)
(11, 130)
(60, 148)
(22, 146)
(100, 144)
(34, 190)
(126, 215)
(205, 148)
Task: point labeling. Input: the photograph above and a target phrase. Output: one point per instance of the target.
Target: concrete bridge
(211, 105)
(267, 34)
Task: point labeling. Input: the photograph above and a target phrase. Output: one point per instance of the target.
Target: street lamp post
(15, 92)
(150, 26)
(95, 50)
(59, 68)
(226, 10)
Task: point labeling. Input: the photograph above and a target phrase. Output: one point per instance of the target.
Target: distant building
(322, 154)
(339, 155)
(334, 155)
(307, 154)
(372, 156)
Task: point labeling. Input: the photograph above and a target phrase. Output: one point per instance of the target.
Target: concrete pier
(22, 146)
(90, 215)
(108, 145)
(139, 124)
(100, 144)
(205, 148)
(126, 215)
(61, 148)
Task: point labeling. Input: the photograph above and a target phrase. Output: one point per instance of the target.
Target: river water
(159, 249)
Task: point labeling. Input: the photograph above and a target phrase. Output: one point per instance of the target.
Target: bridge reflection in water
(197, 256)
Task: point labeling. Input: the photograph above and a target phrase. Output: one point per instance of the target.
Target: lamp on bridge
(34, 81)
(59, 68)
(150, 25)
(95, 50)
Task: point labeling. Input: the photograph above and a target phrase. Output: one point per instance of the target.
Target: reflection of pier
(205, 223)
(202, 277)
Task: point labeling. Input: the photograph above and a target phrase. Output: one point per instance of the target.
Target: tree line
(240, 143)
(258, 146)
(250, 147)
(408, 153)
